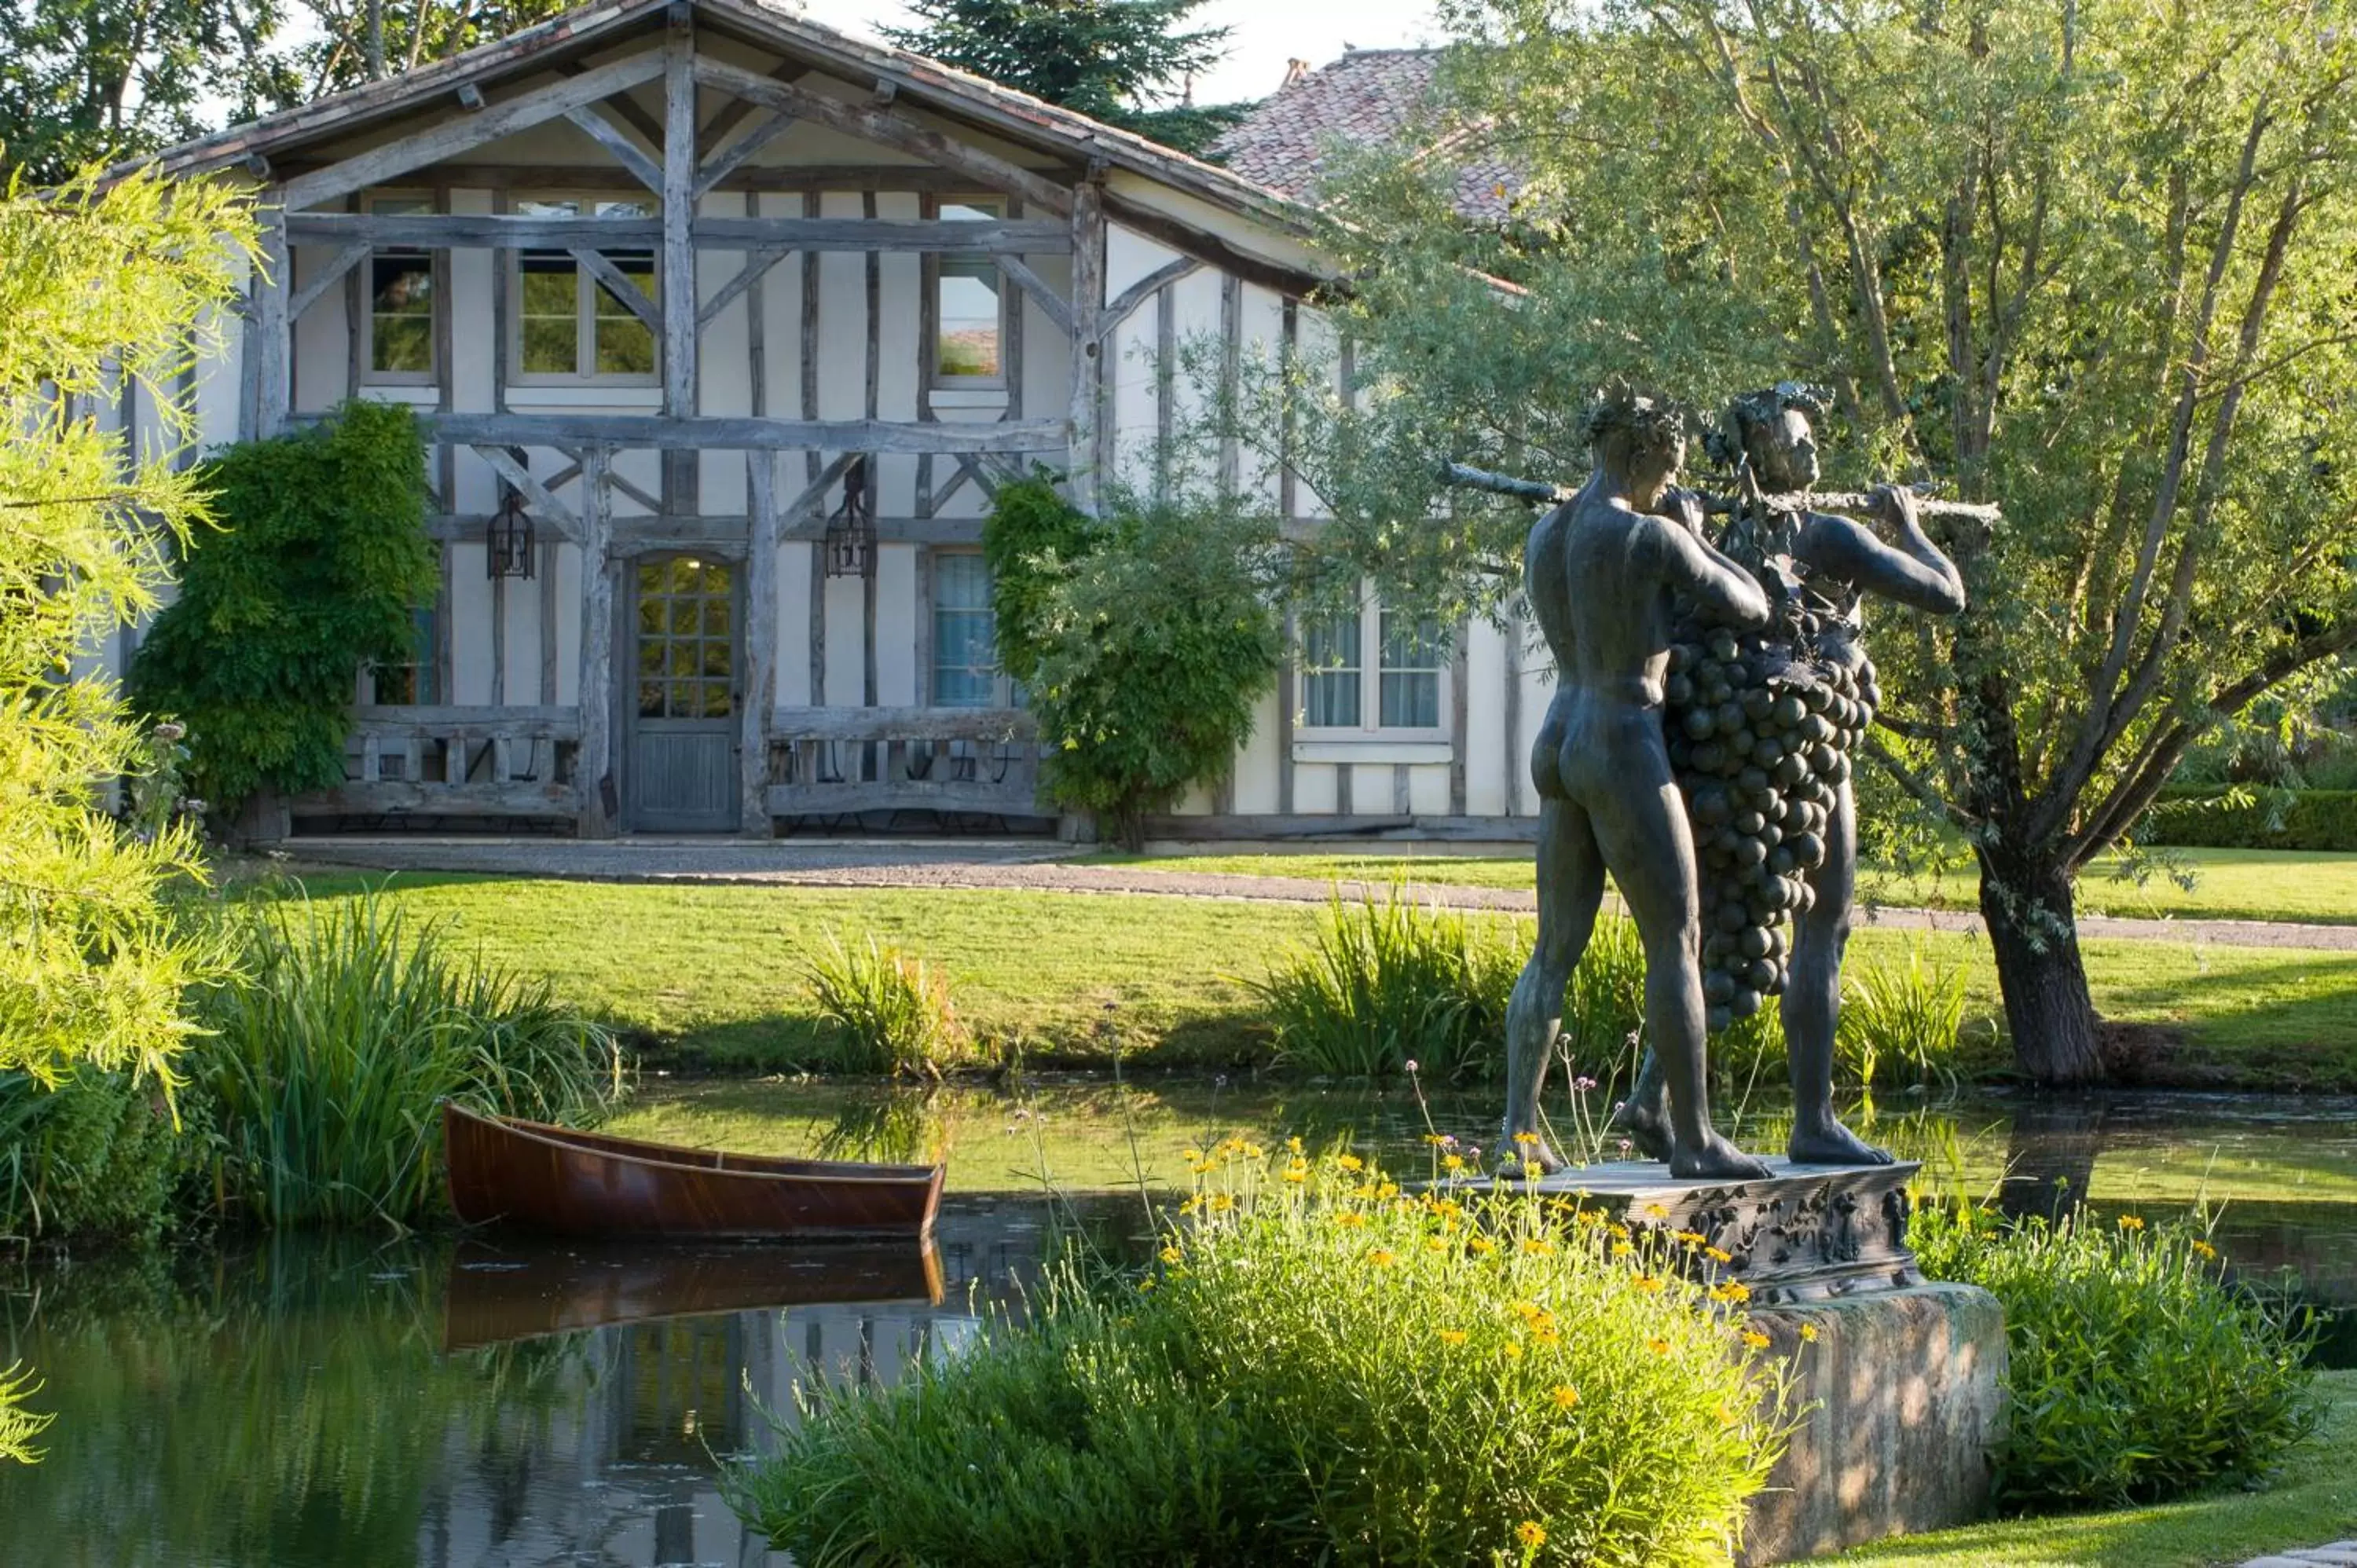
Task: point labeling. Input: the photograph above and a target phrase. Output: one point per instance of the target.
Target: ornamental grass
(1317, 1368)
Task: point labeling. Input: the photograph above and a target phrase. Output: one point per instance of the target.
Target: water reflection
(330, 1404)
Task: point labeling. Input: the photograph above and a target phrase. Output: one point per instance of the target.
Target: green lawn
(2312, 1502)
(2228, 884)
(711, 974)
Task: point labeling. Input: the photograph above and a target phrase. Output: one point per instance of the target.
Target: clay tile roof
(1366, 96)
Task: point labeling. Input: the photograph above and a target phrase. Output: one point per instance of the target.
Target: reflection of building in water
(619, 1468)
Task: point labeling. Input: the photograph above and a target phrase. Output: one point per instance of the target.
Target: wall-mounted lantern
(851, 530)
(507, 537)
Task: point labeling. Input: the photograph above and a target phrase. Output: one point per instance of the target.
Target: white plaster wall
(1258, 765)
(896, 624)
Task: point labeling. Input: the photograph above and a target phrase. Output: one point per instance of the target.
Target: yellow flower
(1350, 1162)
(1756, 1340)
(1434, 1139)
(1381, 1257)
(1658, 1346)
(1717, 1256)
(1725, 1416)
(1528, 1311)
(1731, 1291)
(1363, 1191)
(1296, 1173)
(1529, 1533)
(1190, 1154)
(1655, 1212)
(1483, 1245)
(1647, 1283)
(1532, 1170)
(1691, 1238)
(1145, 1283)
(1566, 1396)
(1205, 1168)
(1188, 1207)
(1808, 1334)
(1171, 1254)
(1538, 1244)
(1389, 1189)
(1452, 1337)
(1514, 1351)
(1293, 1146)
(2205, 1249)
(1526, 1137)
(2130, 1222)
(1622, 1248)
(1452, 1162)
(1545, 1332)
(1435, 1244)
(1350, 1218)
(1253, 1152)
(1221, 1202)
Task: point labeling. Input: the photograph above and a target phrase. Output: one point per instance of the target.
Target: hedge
(2219, 816)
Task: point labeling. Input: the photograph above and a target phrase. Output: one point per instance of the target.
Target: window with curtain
(1408, 678)
(1331, 663)
(569, 324)
(399, 313)
(965, 633)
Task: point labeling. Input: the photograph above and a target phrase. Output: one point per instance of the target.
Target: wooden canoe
(496, 1294)
(568, 1183)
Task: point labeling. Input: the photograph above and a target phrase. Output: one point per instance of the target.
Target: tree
(2072, 257)
(1109, 59)
(87, 81)
(362, 40)
(324, 556)
(97, 285)
(1145, 641)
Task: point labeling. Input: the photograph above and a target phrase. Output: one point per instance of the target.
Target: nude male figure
(1600, 569)
(1840, 560)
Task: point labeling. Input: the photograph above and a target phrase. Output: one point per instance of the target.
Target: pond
(333, 1403)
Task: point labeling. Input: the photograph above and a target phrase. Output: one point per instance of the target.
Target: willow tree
(100, 288)
(2095, 261)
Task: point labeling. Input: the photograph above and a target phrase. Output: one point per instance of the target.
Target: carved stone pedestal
(1896, 1382)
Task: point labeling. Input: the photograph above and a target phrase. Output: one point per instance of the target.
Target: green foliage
(1146, 652)
(323, 555)
(19, 1426)
(95, 1159)
(1031, 539)
(1105, 58)
(2241, 816)
(329, 1057)
(93, 961)
(1393, 982)
(1320, 1370)
(2112, 319)
(356, 42)
(1604, 1005)
(2135, 1373)
(887, 1013)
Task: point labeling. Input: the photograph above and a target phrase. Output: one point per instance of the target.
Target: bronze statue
(1602, 571)
(1822, 565)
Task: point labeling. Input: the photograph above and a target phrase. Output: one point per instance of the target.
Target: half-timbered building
(724, 328)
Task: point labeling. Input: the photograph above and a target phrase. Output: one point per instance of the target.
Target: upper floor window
(570, 325)
(398, 319)
(1368, 669)
(965, 633)
(969, 303)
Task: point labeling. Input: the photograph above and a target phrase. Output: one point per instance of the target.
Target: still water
(342, 1402)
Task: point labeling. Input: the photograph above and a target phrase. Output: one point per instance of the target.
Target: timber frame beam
(454, 231)
(737, 433)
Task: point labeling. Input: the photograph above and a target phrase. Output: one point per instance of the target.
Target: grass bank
(710, 977)
(2313, 1500)
(2228, 884)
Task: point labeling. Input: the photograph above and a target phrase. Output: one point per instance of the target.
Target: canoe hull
(542, 1179)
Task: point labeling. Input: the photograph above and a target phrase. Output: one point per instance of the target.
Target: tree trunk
(2049, 1157)
(2035, 940)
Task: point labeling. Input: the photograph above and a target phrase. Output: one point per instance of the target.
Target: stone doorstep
(2339, 1554)
(1807, 1233)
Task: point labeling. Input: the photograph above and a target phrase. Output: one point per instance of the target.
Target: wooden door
(686, 650)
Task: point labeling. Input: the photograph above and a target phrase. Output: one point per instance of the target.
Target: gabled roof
(925, 84)
(1365, 98)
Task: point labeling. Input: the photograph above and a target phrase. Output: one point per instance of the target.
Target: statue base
(1806, 1233)
(1896, 1382)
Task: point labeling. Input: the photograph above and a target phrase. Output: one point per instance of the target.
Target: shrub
(2244, 817)
(1146, 640)
(1391, 982)
(96, 1159)
(887, 1013)
(332, 1054)
(325, 553)
(1321, 1371)
(2136, 1373)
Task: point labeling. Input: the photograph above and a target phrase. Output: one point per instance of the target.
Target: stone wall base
(1900, 1390)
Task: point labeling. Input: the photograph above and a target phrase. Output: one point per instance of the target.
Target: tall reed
(330, 1055)
(1908, 1017)
(885, 1012)
(1391, 982)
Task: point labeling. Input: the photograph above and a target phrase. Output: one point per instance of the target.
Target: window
(418, 682)
(965, 633)
(568, 324)
(1369, 669)
(970, 300)
(398, 319)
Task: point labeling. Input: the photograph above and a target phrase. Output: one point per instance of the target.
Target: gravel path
(1031, 865)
